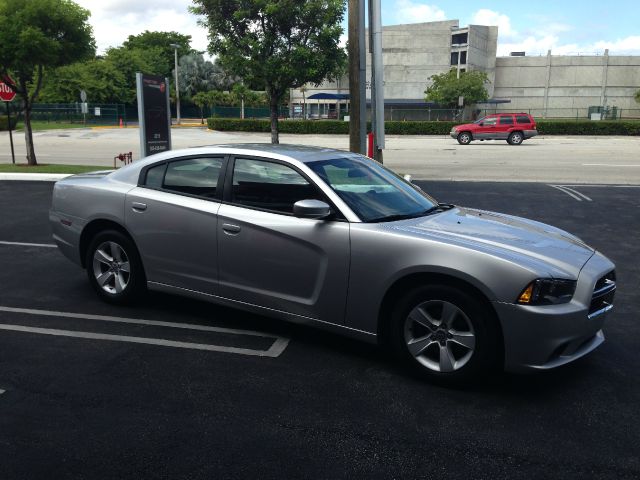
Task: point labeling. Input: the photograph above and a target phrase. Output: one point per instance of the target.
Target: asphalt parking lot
(175, 388)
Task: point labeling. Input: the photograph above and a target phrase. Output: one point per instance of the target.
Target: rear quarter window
(522, 119)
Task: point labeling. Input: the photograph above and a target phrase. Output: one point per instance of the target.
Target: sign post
(85, 108)
(154, 115)
(7, 95)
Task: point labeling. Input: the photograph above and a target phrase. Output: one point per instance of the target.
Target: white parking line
(571, 192)
(278, 346)
(274, 351)
(2, 391)
(22, 244)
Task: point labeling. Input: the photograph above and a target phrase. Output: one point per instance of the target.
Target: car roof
(285, 152)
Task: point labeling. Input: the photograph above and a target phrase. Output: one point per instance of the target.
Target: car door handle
(139, 207)
(231, 229)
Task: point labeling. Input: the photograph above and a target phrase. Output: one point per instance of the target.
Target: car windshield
(373, 192)
(480, 120)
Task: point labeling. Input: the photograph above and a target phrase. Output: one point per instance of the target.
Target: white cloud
(485, 16)
(114, 20)
(417, 12)
(533, 45)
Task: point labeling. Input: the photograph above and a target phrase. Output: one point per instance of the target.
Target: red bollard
(370, 145)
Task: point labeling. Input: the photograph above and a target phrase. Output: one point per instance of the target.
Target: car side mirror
(311, 209)
(482, 124)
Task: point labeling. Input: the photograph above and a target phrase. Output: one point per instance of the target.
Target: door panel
(176, 236)
(278, 261)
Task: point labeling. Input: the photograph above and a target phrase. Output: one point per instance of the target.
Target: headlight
(547, 291)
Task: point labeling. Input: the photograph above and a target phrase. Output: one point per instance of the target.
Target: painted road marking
(276, 349)
(572, 193)
(2, 391)
(22, 244)
(278, 346)
(607, 165)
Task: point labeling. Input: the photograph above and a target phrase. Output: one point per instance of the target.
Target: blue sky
(564, 26)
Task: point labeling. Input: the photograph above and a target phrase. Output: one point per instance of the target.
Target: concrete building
(546, 86)
(567, 86)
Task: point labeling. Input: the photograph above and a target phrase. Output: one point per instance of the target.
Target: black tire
(468, 366)
(515, 138)
(464, 138)
(120, 286)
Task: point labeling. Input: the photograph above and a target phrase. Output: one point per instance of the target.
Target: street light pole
(175, 51)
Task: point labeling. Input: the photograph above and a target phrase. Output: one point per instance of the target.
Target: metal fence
(96, 113)
(604, 113)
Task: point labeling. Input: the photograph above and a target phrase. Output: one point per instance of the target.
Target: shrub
(3, 123)
(545, 127)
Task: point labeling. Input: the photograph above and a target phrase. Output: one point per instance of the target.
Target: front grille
(603, 292)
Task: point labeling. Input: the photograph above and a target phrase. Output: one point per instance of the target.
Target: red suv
(512, 127)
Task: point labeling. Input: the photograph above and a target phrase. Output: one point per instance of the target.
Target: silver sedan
(335, 240)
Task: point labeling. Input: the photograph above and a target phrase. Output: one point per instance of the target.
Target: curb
(37, 177)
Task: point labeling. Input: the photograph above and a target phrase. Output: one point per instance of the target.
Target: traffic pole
(13, 154)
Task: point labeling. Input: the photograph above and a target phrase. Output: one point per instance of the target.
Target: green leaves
(447, 87)
(281, 44)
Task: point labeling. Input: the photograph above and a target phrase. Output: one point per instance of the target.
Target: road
(550, 159)
(84, 394)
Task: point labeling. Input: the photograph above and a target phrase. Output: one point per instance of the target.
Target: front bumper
(453, 134)
(545, 337)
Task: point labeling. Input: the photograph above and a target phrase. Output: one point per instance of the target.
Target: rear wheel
(114, 267)
(464, 138)
(445, 334)
(515, 138)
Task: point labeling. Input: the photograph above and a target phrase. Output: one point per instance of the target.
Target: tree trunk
(28, 135)
(273, 106)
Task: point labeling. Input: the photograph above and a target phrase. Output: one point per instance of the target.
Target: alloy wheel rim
(440, 336)
(111, 267)
(516, 138)
(464, 138)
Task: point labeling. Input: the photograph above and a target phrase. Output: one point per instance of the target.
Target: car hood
(465, 126)
(506, 234)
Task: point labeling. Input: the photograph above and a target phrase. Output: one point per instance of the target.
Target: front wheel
(515, 138)
(445, 334)
(464, 138)
(114, 267)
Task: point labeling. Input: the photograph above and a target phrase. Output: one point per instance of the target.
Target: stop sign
(6, 94)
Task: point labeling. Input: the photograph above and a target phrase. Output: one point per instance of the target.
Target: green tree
(280, 44)
(158, 47)
(200, 100)
(446, 87)
(43, 34)
(195, 74)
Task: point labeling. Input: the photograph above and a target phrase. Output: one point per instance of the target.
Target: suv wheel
(445, 334)
(114, 267)
(515, 138)
(464, 138)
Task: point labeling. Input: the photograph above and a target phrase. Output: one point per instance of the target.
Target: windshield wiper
(441, 207)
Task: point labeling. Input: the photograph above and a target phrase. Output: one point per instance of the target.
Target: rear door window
(192, 176)
(506, 120)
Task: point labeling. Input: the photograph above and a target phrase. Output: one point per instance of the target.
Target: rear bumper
(545, 337)
(529, 133)
(66, 234)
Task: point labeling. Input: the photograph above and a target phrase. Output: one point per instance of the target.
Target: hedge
(545, 127)
(3, 123)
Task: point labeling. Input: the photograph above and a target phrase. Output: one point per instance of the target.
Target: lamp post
(175, 47)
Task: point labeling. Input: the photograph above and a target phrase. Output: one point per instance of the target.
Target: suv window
(269, 185)
(194, 176)
(506, 120)
(522, 119)
(490, 121)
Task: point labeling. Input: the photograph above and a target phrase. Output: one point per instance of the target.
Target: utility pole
(377, 78)
(357, 74)
(175, 47)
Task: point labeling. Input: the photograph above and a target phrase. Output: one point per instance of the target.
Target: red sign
(6, 94)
